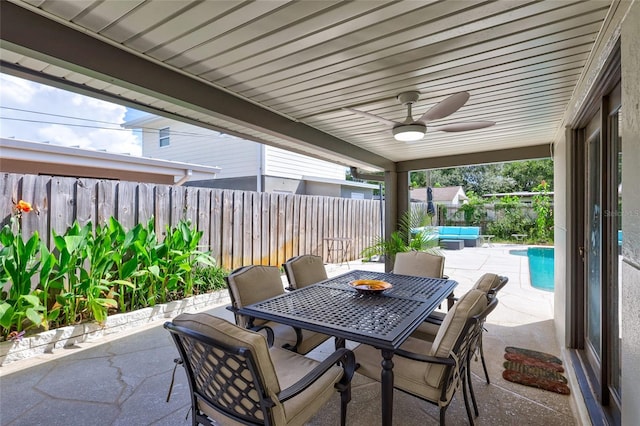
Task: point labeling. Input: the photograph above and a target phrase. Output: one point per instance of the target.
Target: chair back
(464, 347)
(455, 338)
(304, 270)
(252, 284)
(419, 264)
(491, 283)
(229, 369)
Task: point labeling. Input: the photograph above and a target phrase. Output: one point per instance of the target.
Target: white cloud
(73, 120)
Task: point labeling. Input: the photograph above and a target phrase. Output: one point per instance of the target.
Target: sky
(36, 112)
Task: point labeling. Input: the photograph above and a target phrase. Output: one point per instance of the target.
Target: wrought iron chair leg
(443, 410)
(473, 395)
(345, 397)
(484, 364)
(466, 400)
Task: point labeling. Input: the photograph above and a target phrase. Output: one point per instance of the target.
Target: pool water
(541, 267)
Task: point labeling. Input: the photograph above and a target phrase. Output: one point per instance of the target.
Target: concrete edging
(46, 341)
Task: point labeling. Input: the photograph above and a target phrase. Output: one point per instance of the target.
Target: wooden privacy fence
(240, 227)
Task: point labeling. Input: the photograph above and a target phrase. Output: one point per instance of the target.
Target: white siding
(236, 157)
(279, 162)
(190, 144)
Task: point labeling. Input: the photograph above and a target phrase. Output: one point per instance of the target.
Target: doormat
(536, 369)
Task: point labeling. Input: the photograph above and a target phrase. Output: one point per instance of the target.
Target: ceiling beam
(512, 154)
(37, 36)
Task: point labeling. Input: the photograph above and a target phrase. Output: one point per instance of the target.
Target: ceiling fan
(413, 130)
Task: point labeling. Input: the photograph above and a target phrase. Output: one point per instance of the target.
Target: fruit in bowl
(370, 286)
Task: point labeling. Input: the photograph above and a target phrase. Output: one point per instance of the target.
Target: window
(164, 137)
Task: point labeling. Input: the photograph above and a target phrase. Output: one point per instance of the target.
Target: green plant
(414, 233)
(473, 212)
(21, 263)
(96, 271)
(208, 278)
(510, 219)
(544, 213)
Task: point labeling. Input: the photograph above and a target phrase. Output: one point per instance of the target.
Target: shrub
(95, 272)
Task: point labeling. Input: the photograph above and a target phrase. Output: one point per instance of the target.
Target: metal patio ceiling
(280, 72)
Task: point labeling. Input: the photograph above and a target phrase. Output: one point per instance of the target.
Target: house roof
(281, 73)
(442, 194)
(340, 182)
(42, 158)
(516, 194)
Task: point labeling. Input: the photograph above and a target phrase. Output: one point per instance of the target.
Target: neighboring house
(448, 195)
(524, 196)
(39, 158)
(245, 165)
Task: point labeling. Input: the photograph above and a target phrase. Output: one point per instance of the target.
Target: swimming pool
(540, 266)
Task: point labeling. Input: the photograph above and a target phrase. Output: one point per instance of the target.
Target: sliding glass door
(600, 325)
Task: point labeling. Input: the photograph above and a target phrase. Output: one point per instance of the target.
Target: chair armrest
(266, 328)
(343, 356)
(425, 358)
(433, 320)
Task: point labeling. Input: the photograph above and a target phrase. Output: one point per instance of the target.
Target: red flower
(23, 206)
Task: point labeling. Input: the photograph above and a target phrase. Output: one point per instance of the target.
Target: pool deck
(123, 380)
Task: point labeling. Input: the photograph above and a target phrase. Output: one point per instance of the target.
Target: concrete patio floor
(124, 380)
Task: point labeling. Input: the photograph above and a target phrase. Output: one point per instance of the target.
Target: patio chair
(421, 264)
(434, 370)
(488, 283)
(304, 270)
(252, 284)
(237, 378)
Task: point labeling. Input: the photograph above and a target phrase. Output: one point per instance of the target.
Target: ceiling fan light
(409, 132)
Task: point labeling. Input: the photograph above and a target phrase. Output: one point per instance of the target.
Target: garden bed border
(47, 341)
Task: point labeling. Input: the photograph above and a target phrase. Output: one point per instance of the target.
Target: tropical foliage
(94, 272)
(414, 233)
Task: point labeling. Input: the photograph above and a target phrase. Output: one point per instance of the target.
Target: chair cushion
(449, 230)
(471, 304)
(419, 264)
(470, 230)
(487, 282)
(408, 374)
(255, 284)
(426, 331)
(290, 368)
(285, 334)
(305, 270)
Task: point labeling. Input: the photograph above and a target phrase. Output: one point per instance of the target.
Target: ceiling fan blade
(446, 107)
(462, 127)
(371, 116)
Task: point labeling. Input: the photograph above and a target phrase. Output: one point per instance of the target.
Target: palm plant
(413, 234)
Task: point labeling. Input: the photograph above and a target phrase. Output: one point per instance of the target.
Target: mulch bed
(535, 369)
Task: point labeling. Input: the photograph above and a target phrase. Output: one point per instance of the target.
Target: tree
(418, 179)
(529, 174)
(494, 178)
(483, 179)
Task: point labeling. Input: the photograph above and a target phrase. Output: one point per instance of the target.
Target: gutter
(356, 174)
(185, 178)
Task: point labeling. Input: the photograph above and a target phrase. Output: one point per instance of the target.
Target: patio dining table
(383, 320)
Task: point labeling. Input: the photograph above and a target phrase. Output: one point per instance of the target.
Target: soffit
(305, 61)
